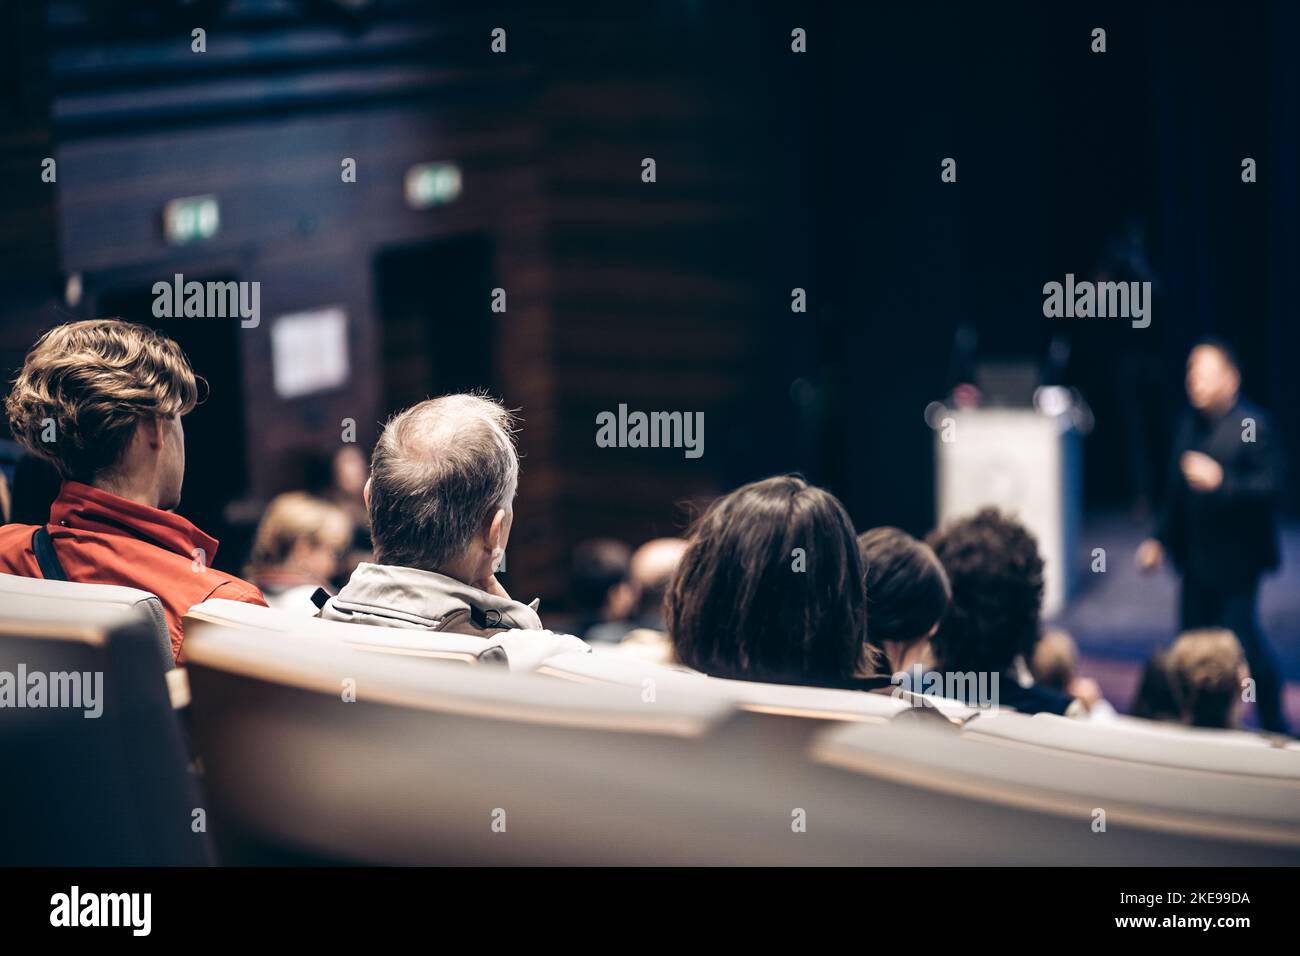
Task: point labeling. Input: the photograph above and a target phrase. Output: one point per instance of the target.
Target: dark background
(775, 170)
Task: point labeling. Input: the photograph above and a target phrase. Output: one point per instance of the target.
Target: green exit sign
(191, 219)
(432, 184)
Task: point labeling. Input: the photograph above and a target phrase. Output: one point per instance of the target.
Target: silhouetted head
(1213, 377)
(770, 588)
(102, 400)
(997, 592)
(1206, 668)
(442, 485)
(907, 588)
(1155, 698)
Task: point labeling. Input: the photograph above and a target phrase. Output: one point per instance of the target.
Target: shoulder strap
(51, 569)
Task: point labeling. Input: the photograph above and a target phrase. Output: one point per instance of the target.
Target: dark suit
(1224, 540)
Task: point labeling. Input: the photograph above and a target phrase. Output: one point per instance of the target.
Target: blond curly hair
(85, 386)
(1206, 667)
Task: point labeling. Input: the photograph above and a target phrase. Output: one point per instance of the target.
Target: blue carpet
(1126, 614)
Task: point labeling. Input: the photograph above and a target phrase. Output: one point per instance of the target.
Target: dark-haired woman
(771, 589)
(907, 595)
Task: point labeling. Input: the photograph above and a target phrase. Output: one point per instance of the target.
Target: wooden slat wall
(655, 295)
(660, 296)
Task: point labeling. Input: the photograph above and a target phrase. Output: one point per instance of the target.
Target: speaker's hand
(1150, 554)
(1202, 472)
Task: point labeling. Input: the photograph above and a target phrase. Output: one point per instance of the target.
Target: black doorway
(435, 311)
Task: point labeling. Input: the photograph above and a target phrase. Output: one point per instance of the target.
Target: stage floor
(1118, 618)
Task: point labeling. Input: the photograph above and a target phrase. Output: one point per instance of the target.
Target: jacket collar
(86, 508)
(424, 598)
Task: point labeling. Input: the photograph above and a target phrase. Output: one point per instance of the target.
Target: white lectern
(1024, 463)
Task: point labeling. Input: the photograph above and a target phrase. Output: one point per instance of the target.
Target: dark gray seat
(103, 779)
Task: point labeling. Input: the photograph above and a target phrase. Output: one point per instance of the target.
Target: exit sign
(432, 184)
(191, 219)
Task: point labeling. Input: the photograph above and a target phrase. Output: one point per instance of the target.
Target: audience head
(102, 400)
(1206, 668)
(770, 588)
(302, 535)
(1213, 376)
(442, 484)
(907, 591)
(652, 569)
(997, 590)
(1155, 698)
(600, 578)
(1055, 660)
(348, 472)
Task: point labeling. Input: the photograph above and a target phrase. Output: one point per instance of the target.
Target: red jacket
(100, 538)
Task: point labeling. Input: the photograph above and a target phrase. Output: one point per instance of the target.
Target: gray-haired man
(442, 483)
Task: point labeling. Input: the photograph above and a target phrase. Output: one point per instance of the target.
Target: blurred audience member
(651, 570)
(347, 484)
(653, 567)
(1055, 665)
(297, 548)
(346, 489)
(645, 636)
(1155, 698)
(770, 588)
(1206, 671)
(103, 400)
(6, 503)
(441, 491)
(648, 645)
(340, 479)
(907, 595)
(600, 583)
(992, 625)
(36, 485)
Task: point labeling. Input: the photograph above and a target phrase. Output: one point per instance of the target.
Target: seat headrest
(107, 595)
(523, 650)
(72, 590)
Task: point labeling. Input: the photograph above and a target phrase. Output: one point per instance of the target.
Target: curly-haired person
(1207, 670)
(992, 623)
(102, 400)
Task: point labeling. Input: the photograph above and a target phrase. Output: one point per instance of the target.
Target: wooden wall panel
(618, 291)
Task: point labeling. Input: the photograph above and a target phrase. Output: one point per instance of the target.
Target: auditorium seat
(1147, 742)
(83, 790)
(777, 699)
(293, 764)
(518, 650)
(14, 588)
(1246, 738)
(1257, 815)
(473, 765)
